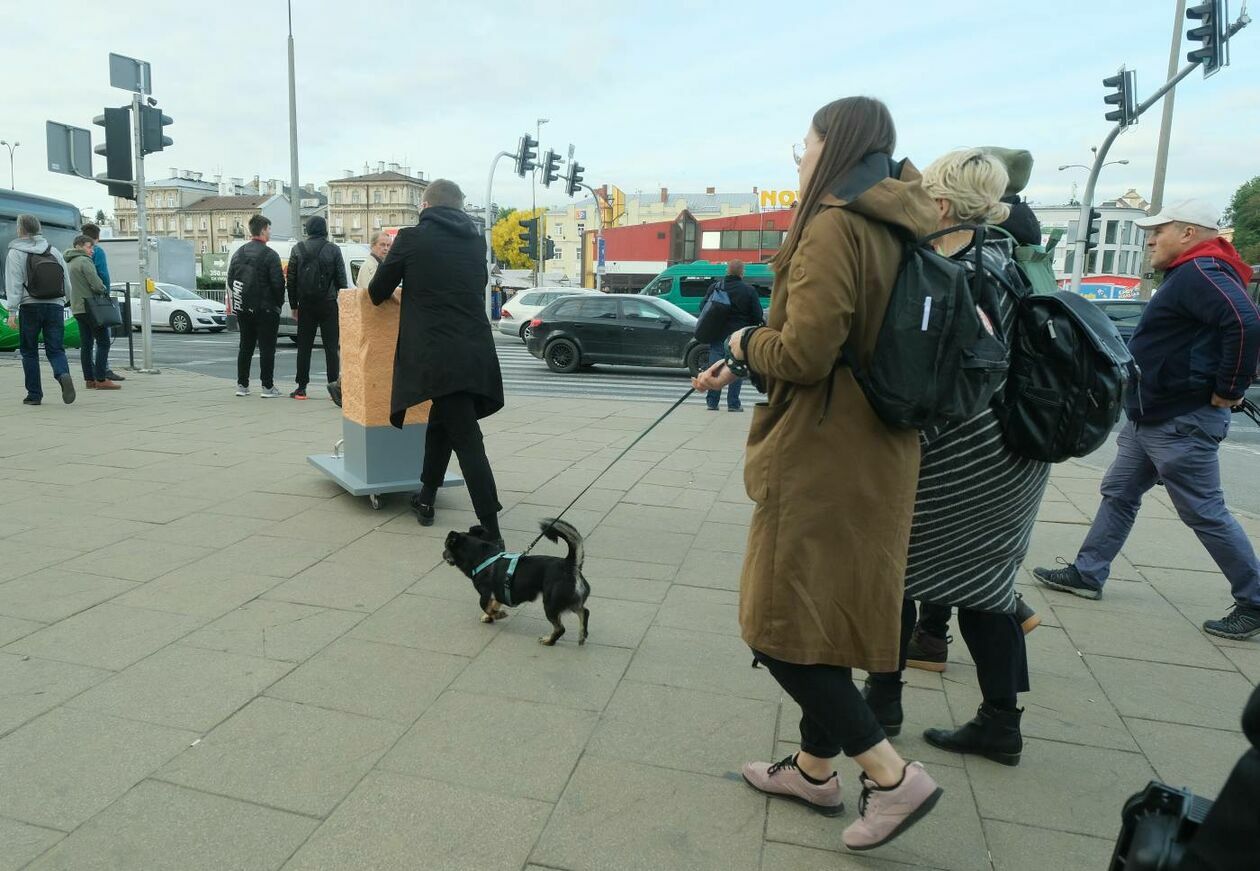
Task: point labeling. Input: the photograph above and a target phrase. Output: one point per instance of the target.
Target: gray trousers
(1181, 453)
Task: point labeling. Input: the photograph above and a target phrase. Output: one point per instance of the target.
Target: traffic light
(549, 249)
(551, 168)
(1091, 230)
(151, 123)
(526, 155)
(1213, 50)
(529, 239)
(1124, 98)
(117, 150)
(574, 177)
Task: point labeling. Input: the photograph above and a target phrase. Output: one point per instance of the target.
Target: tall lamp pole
(533, 202)
(295, 198)
(11, 148)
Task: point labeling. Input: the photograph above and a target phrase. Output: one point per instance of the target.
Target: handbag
(102, 312)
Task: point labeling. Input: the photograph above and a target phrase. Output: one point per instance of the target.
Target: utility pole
(490, 230)
(295, 199)
(1165, 131)
(533, 202)
(142, 231)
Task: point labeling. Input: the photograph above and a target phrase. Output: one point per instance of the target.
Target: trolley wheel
(375, 501)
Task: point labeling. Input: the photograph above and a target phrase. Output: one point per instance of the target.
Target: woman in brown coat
(833, 486)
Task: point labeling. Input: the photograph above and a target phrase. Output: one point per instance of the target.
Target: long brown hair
(850, 128)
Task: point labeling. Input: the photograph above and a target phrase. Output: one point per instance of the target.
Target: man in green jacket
(84, 284)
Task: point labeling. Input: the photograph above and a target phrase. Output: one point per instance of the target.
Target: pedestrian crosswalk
(524, 374)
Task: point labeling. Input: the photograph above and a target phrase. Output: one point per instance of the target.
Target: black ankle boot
(422, 504)
(883, 697)
(993, 734)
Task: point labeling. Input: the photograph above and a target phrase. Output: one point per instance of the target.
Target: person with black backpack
(977, 497)
(317, 273)
(730, 304)
(38, 286)
(256, 282)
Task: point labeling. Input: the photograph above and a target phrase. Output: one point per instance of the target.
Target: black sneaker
(111, 375)
(31, 400)
(300, 393)
(67, 388)
(334, 392)
(1068, 580)
(1241, 623)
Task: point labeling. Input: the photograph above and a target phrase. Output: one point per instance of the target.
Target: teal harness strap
(513, 559)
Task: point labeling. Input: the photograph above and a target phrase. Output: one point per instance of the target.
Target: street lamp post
(533, 202)
(12, 186)
(1080, 228)
(295, 197)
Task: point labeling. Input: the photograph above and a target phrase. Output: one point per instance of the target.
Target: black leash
(1250, 409)
(594, 481)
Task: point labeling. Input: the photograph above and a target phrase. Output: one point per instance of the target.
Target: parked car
(10, 339)
(1124, 313)
(517, 312)
(623, 330)
(179, 308)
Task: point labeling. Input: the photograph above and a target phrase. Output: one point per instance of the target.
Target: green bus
(61, 222)
(685, 284)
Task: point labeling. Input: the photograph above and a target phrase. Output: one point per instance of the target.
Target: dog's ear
(478, 531)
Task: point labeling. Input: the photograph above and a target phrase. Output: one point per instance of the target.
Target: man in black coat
(746, 311)
(445, 347)
(317, 273)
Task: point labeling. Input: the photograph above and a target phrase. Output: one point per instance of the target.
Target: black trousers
(453, 427)
(835, 718)
(996, 644)
(320, 316)
(258, 329)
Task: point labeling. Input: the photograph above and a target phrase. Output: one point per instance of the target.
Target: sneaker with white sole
(1067, 580)
(887, 812)
(270, 393)
(242, 390)
(785, 780)
(1241, 623)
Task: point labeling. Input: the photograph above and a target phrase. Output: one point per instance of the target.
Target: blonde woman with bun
(976, 499)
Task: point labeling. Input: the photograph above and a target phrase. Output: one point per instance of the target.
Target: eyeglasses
(798, 152)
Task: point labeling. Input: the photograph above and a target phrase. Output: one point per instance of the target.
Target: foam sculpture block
(369, 334)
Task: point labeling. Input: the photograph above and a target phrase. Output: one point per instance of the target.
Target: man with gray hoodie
(38, 285)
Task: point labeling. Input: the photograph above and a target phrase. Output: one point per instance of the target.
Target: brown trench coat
(834, 493)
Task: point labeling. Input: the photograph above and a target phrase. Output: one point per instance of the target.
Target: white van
(354, 253)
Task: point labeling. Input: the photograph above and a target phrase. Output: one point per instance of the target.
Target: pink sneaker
(886, 813)
(784, 779)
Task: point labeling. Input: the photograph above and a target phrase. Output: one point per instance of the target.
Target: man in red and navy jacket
(1198, 346)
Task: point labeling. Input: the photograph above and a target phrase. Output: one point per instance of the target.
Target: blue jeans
(48, 317)
(1182, 453)
(94, 345)
(717, 350)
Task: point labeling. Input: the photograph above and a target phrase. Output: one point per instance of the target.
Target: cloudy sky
(677, 93)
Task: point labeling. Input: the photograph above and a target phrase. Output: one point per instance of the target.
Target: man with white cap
(1198, 345)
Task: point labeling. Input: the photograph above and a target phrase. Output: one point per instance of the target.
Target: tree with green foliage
(505, 237)
(1243, 215)
(100, 217)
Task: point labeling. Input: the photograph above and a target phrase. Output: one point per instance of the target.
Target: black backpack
(714, 315)
(1069, 371)
(936, 360)
(315, 274)
(45, 276)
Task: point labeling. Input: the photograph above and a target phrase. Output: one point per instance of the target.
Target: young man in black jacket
(746, 311)
(445, 347)
(317, 273)
(256, 282)
(1198, 345)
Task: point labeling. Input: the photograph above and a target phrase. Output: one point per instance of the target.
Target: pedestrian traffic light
(529, 239)
(1211, 34)
(549, 249)
(151, 123)
(1091, 230)
(574, 177)
(117, 151)
(551, 168)
(1124, 98)
(526, 155)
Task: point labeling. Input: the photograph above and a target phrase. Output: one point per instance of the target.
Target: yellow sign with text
(777, 199)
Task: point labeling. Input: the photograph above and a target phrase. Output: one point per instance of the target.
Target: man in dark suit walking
(445, 346)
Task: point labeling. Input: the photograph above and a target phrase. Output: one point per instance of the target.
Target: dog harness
(512, 560)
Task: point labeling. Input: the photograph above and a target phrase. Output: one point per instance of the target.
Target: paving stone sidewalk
(211, 657)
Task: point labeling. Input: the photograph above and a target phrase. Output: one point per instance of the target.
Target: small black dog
(502, 579)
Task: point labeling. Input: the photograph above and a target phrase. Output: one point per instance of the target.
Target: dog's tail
(555, 530)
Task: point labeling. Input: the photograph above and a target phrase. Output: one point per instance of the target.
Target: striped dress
(976, 500)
